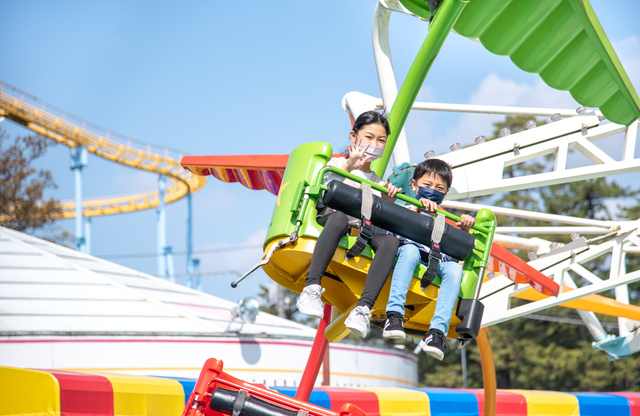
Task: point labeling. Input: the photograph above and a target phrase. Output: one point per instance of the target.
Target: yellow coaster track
(73, 131)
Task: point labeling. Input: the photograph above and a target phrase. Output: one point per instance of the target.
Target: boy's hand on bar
(466, 222)
(391, 191)
(429, 205)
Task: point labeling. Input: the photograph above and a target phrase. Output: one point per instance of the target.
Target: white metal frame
(479, 170)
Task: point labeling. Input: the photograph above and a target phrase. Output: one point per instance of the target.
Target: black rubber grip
(223, 400)
(391, 217)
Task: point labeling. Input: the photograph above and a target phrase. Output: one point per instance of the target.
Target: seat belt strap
(366, 228)
(435, 256)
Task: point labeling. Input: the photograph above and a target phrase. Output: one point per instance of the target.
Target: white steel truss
(479, 170)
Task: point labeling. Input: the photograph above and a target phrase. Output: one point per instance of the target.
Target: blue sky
(232, 78)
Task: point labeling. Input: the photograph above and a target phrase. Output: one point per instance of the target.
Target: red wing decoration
(255, 172)
(516, 269)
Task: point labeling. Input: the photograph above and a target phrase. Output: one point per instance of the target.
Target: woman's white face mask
(374, 152)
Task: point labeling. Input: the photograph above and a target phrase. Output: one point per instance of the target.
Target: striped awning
(255, 172)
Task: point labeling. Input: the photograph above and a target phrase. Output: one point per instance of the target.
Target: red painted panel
(367, 401)
(516, 269)
(634, 401)
(84, 394)
(507, 404)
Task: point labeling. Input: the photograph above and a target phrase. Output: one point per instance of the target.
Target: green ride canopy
(562, 40)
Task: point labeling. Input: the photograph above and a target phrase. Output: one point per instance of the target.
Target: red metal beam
(320, 345)
(516, 269)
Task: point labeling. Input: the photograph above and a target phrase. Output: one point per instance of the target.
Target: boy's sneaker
(435, 344)
(394, 326)
(358, 320)
(309, 301)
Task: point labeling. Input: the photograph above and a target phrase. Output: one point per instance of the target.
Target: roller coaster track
(72, 131)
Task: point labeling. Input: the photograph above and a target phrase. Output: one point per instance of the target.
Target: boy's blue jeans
(450, 273)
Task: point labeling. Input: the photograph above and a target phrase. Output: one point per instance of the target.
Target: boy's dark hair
(436, 167)
(371, 117)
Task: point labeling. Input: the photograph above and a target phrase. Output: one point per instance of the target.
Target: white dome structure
(62, 309)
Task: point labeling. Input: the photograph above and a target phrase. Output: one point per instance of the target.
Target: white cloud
(426, 94)
(494, 90)
(128, 181)
(240, 261)
(628, 51)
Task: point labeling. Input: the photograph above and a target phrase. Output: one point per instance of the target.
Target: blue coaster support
(78, 162)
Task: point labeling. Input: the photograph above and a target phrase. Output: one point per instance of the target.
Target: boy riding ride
(431, 182)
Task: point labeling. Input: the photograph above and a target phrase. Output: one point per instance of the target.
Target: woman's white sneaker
(310, 302)
(358, 320)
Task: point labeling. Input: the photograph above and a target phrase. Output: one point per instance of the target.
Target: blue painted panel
(188, 384)
(597, 404)
(319, 398)
(449, 402)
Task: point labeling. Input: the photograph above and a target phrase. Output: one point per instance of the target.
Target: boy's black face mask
(430, 194)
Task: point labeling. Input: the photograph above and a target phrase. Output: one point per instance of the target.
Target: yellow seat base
(289, 266)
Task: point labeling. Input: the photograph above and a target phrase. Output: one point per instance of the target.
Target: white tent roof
(49, 289)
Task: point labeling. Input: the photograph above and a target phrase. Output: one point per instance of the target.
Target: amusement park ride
(562, 41)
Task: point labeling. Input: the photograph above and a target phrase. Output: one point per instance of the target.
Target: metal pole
(311, 370)
(439, 29)
(488, 372)
(196, 271)
(79, 161)
(161, 227)
(326, 368)
(190, 282)
(87, 234)
(463, 354)
(386, 75)
(169, 271)
(621, 292)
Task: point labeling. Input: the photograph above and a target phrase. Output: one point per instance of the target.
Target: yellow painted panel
(549, 403)
(401, 402)
(145, 396)
(593, 303)
(28, 393)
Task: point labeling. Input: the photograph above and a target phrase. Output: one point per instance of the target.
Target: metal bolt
(581, 110)
(574, 236)
(531, 124)
(556, 117)
(429, 154)
(454, 147)
(532, 255)
(505, 132)
(480, 139)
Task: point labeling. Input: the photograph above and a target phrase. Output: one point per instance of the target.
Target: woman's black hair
(371, 117)
(434, 167)
(366, 118)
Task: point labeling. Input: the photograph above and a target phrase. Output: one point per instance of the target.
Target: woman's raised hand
(356, 156)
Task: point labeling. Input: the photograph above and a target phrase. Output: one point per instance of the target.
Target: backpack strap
(366, 228)
(435, 257)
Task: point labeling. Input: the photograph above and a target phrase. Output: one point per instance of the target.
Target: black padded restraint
(391, 217)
